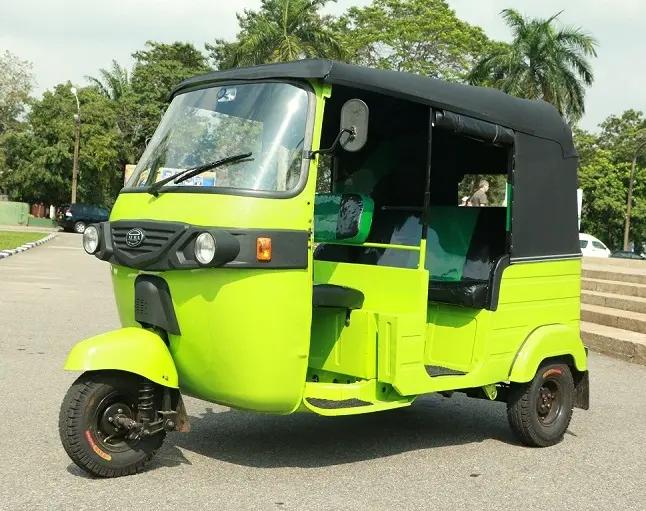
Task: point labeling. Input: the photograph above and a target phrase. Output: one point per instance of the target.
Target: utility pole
(77, 121)
(630, 192)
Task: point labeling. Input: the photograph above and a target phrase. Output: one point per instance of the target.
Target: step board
(614, 301)
(624, 320)
(352, 398)
(436, 371)
(615, 342)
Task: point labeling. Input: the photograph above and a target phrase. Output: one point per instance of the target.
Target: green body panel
(537, 318)
(546, 342)
(349, 350)
(330, 219)
(134, 350)
(244, 332)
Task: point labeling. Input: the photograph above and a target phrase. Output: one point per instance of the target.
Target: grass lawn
(10, 239)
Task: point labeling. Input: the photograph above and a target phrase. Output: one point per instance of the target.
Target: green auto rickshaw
(292, 240)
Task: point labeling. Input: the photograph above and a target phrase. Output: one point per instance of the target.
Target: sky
(70, 39)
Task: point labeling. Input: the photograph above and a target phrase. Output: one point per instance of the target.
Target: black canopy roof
(536, 118)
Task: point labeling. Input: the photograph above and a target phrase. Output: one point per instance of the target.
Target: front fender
(132, 349)
(546, 342)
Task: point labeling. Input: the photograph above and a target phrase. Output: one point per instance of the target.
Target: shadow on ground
(307, 441)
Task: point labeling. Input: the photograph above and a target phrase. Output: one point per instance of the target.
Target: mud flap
(582, 390)
(183, 424)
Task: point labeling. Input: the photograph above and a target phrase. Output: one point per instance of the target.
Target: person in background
(480, 197)
(465, 201)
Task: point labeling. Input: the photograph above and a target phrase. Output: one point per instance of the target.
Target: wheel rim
(549, 402)
(80, 228)
(112, 438)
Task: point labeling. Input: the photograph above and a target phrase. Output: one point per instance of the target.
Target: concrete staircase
(613, 307)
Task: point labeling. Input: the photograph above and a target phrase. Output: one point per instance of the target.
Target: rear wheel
(87, 429)
(79, 227)
(539, 412)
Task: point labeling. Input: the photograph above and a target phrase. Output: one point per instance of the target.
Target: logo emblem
(135, 237)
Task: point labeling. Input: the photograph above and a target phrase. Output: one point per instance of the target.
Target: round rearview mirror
(354, 119)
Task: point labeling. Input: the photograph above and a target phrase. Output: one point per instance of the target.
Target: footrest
(351, 398)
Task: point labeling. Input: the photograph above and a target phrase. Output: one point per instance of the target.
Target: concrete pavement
(447, 454)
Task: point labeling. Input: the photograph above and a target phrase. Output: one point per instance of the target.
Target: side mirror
(343, 217)
(354, 129)
(354, 125)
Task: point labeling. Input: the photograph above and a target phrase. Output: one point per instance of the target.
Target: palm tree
(114, 82)
(282, 30)
(542, 62)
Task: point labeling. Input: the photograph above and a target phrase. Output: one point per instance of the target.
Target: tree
(542, 62)
(282, 30)
(39, 159)
(16, 83)
(113, 83)
(605, 164)
(158, 69)
(418, 36)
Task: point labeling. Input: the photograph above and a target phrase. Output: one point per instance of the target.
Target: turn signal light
(263, 249)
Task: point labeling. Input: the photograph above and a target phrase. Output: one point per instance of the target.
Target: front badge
(135, 237)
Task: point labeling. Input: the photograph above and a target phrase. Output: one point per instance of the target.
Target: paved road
(440, 454)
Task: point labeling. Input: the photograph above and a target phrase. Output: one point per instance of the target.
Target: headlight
(91, 239)
(205, 248)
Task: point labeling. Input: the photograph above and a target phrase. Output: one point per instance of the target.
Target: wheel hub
(107, 423)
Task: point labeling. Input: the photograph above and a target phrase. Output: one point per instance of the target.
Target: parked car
(592, 247)
(76, 217)
(628, 254)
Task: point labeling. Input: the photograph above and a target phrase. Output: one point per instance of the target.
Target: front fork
(150, 421)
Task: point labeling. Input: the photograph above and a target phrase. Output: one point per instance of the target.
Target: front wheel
(87, 430)
(539, 412)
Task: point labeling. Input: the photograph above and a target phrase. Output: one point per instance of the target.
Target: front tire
(79, 227)
(539, 412)
(86, 432)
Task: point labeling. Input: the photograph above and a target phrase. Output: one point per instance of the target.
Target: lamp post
(638, 149)
(77, 121)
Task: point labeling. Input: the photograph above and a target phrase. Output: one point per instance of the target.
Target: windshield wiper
(194, 171)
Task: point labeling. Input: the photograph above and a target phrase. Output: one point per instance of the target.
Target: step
(616, 274)
(614, 301)
(333, 399)
(625, 320)
(614, 261)
(615, 342)
(614, 287)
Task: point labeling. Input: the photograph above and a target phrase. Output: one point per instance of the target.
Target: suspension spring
(146, 399)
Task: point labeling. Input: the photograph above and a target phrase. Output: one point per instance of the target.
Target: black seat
(486, 248)
(330, 295)
(467, 292)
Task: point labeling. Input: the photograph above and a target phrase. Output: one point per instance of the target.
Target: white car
(592, 247)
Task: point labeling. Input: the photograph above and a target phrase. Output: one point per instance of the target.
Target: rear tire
(85, 432)
(539, 412)
(79, 227)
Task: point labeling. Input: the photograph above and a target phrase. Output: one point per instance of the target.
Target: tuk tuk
(238, 283)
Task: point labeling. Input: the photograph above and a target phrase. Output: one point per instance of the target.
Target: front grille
(154, 240)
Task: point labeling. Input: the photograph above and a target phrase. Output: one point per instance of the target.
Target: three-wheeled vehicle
(291, 241)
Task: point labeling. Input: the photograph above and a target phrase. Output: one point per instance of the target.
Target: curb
(9, 252)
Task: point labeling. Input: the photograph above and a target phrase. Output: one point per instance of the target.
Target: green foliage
(281, 30)
(39, 159)
(605, 160)
(542, 62)
(418, 36)
(16, 83)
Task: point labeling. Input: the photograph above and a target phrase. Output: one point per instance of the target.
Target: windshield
(204, 126)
